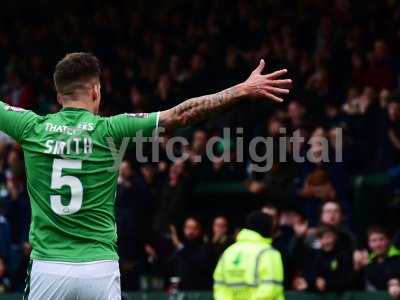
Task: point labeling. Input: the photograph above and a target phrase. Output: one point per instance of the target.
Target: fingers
(276, 74)
(282, 83)
(273, 97)
(260, 67)
(276, 90)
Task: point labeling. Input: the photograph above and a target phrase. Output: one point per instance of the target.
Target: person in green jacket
(251, 269)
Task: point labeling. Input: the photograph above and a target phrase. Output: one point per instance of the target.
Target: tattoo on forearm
(197, 109)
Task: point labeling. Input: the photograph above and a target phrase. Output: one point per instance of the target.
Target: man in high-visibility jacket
(251, 269)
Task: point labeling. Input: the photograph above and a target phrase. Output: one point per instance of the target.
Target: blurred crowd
(344, 58)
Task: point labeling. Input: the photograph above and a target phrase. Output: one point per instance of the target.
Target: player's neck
(79, 104)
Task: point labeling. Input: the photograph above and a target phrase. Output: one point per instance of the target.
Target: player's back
(71, 184)
(71, 178)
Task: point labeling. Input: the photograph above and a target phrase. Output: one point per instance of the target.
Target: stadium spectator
(389, 154)
(367, 112)
(333, 264)
(220, 238)
(172, 205)
(384, 261)
(192, 262)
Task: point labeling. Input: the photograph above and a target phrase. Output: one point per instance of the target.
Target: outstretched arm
(197, 109)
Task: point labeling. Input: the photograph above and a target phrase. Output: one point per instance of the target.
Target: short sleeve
(14, 120)
(130, 125)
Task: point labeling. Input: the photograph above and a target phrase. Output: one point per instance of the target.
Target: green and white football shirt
(70, 178)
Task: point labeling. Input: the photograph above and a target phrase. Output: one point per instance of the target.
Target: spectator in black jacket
(333, 264)
(384, 262)
(172, 204)
(192, 262)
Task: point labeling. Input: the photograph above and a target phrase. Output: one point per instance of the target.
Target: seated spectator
(333, 263)
(4, 280)
(384, 262)
(192, 262)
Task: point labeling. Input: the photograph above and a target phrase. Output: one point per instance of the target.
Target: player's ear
(59, 100)
(93, 92)
(96, 92)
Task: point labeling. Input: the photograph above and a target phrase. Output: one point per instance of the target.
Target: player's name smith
(74, 145)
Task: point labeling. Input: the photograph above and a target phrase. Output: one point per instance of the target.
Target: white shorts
(79, 281)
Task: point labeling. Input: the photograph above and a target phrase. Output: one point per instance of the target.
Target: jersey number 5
(58, 181)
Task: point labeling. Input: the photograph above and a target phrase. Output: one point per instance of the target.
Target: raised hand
(269, 86)
(194, 110)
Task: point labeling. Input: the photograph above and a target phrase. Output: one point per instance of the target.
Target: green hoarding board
(208, 296)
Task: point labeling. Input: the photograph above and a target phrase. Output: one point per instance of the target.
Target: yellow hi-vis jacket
(250, 269)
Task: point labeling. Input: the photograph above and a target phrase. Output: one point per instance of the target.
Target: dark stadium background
(345, 62)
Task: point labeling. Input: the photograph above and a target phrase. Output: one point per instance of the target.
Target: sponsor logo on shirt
(139, 115)
(13, 108)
